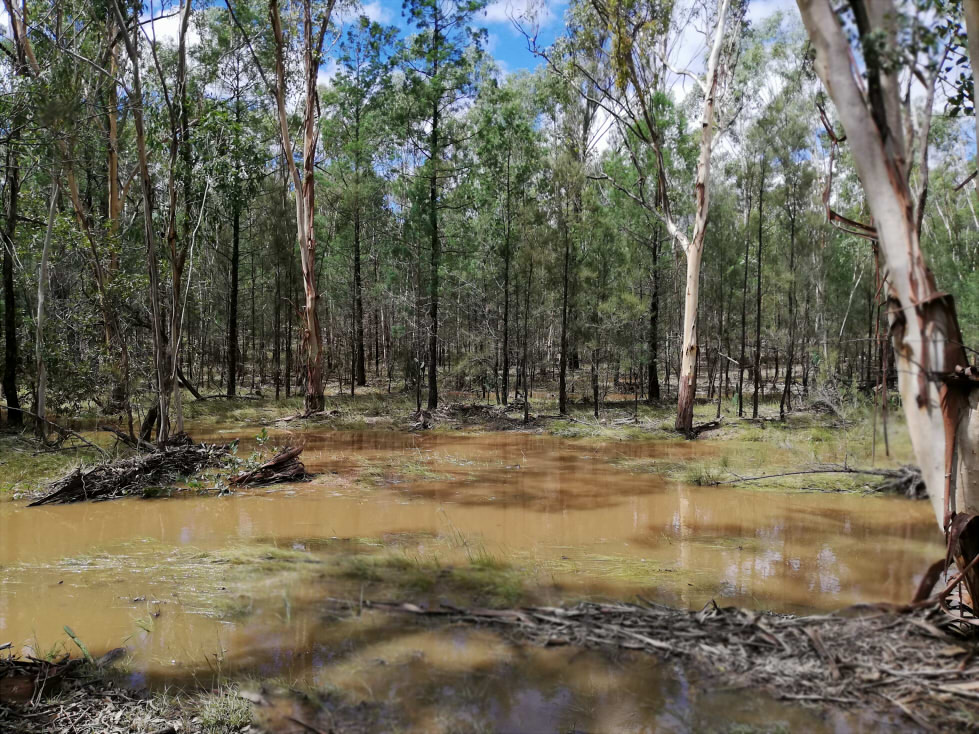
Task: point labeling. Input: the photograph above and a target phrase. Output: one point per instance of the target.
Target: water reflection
(568, 513)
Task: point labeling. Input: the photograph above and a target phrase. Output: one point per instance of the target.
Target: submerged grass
(484, 579)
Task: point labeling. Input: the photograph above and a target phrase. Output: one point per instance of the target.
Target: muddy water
(576, 518)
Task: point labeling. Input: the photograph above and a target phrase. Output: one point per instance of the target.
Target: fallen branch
(132, 476)
(131, 442)
(189, 385)
(283, 467)
(907, 478)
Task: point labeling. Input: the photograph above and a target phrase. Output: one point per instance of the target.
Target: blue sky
(506, 43)
(509, 46)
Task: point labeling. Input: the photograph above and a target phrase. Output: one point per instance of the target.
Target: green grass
(223, 712)
(27, 468)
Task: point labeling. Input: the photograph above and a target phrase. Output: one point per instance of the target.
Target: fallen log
(907, 480)
(285, 466)
(132, 476)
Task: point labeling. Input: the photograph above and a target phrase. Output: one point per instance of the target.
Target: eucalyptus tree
(934, 378)
(312, 19)
(633, 42)
(73, 68)
(441, 63)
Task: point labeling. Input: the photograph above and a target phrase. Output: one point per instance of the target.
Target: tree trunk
(360, 369)
(305, 185)
(694, 247)
(40, 409)
(433, 223)
(146, 186)
(786, 402)
(744, 306)
(940, 407)
(761, 225)
(563, 377)
(686, 392)
(233, 304)
(506, 287)
(526, 343)
(15, 418)
(653, 394)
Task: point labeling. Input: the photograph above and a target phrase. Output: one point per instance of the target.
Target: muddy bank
(916, 671)
(920, 662)
(72, 695)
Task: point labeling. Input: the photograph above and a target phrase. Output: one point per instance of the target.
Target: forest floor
(847, 435)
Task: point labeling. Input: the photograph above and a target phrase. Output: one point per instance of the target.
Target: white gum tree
(867, 59)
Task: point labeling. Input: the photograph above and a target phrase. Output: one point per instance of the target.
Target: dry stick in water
(833, 470)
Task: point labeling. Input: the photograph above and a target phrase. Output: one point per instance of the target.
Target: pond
(195, 588)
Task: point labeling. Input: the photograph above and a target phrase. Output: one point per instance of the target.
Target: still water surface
(575, 517)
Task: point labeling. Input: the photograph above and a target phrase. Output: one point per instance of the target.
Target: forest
(565, 324)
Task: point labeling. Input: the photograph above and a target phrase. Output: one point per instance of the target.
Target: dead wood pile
(907, 481)
(481, 414)
(42, 697)
(919, 663)
(285, 466)
(133, 475)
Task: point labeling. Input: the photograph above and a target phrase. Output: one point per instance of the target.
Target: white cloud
(374, 11)
(377, 12)
(759, 10)
(328, 70)
(166, 27)
(525, 12)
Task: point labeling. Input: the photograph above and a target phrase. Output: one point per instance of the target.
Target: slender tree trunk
(433, 223)
(563, 376)
(786, 403)
(233, 348)
(40, 407)
(526, 343)
(146, 185)
(694, 247)
(305, 184)
(360, 370)
(744, 309)
(506, 287)
(653, 394)
(15, 419)
(761, 227)
(277, 338)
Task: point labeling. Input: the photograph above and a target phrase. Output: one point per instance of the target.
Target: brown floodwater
(578, 519)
